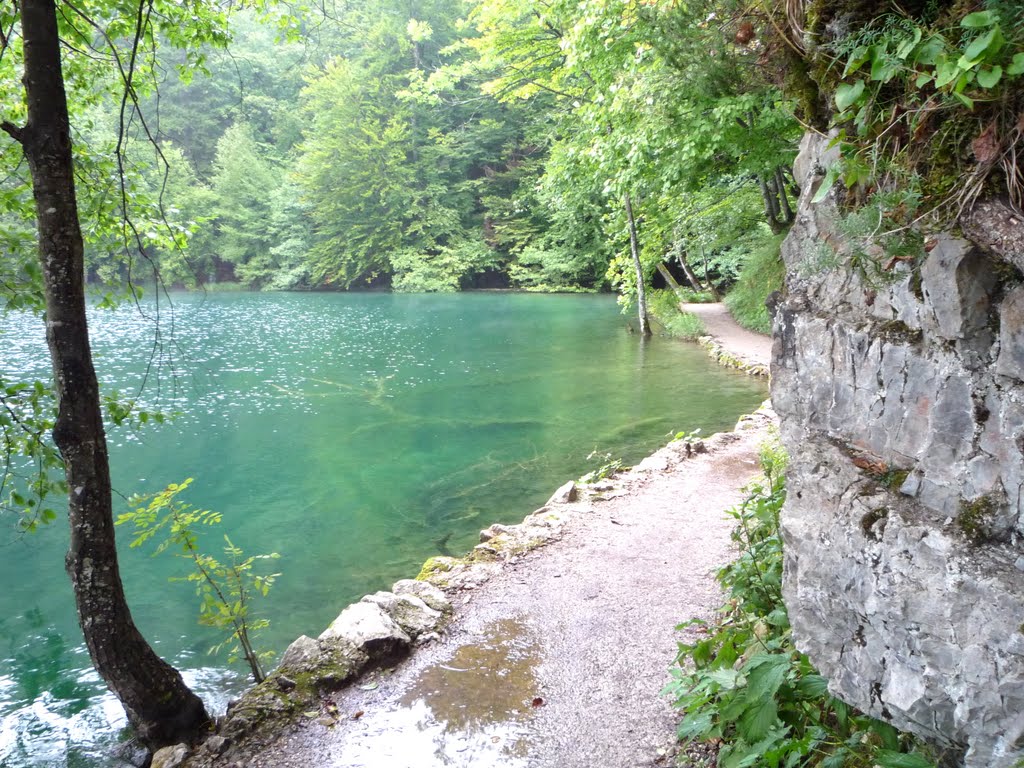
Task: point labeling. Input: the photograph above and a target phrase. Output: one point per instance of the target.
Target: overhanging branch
(12, 130)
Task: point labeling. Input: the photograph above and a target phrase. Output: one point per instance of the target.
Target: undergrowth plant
(226, 588)
(664, 305)
(746, 687)
(933, 102)
(609, 467)
(762, 274)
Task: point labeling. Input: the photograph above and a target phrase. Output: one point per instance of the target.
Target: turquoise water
(354, 434)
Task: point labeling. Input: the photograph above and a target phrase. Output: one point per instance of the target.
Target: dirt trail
(556, 662)
(736, 340)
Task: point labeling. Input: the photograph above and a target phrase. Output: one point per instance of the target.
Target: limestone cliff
(901, 399)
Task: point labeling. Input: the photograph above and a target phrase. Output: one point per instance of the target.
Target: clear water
(356, 435)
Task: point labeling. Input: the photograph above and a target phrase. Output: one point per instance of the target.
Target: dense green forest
(433, 146)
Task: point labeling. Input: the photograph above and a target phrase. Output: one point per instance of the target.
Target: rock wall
(901, 398)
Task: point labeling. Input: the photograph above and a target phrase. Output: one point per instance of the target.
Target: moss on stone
(976, 517)
(894, 479)
(435, 566)
(898, 332)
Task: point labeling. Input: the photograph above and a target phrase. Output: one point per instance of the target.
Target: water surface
(355, 435)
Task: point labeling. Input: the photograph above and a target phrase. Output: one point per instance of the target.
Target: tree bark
(771, 203)
(634, 249)
(677, 248)
(159, 705)
(780, 185)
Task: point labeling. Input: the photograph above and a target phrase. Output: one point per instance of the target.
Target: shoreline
(423, 620)
(383, 641)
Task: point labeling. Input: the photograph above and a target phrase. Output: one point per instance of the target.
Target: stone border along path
(729, 343)
(546, 647)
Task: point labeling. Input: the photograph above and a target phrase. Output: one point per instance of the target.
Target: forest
(426, 147)
(432, 146)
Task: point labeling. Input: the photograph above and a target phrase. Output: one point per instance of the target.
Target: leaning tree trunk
(159, 705)
(634, 249)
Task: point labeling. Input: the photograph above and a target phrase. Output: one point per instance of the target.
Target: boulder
(301, 654)
(370, 629)
(411, 613)
(491, 531)
(566, 494)
(170, 757)
(425, 591)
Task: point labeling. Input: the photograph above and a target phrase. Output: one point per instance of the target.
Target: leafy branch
(226, 588)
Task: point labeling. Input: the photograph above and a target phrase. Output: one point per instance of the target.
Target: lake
(354, 434)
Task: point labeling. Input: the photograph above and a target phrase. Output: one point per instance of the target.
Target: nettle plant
(915, 100)
(745, 687)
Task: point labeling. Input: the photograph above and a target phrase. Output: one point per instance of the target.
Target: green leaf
(883, 69)
(758, 719)
(887, 758)
(985, 45)
(812, 686)
(967, 101)
(695, 726)
(979, 19)
(765, 675)
(905, 48)
(928, 53)
(1016, 66)
(888, 734)
(945, 72)
(989, 77)
(728, 679)
(847, 95)
(923, 79)
(857, 59)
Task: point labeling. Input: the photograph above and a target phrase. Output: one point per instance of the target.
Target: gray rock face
(900, 578)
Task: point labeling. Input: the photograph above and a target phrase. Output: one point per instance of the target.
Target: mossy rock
(976, 518)
(434, 568)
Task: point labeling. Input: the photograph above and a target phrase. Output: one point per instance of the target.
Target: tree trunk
(780, 185)
(634, 249)
(670, 281)
(677, 248)
(771, 204)
(707, 275)
(159, 705)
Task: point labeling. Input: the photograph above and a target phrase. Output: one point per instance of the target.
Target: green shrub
(762, 274)
(663, 305)
(690, 296)
(746, 685)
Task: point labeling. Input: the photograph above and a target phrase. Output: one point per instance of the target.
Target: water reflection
(474, 709)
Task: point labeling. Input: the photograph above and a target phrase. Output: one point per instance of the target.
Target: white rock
(368, 627)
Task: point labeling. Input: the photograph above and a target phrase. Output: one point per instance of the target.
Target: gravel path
(738, 341)
(556, 662)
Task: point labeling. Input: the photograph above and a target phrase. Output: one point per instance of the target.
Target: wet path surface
(558, 661)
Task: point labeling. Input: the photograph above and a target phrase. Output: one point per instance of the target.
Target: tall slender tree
(159, 705)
